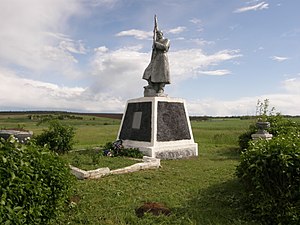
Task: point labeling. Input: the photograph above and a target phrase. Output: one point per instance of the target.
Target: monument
(156, 124)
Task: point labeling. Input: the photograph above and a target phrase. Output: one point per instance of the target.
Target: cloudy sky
(89, 55)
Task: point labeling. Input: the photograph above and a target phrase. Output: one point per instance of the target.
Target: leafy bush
(281, 125)
(35, 183)
(117, 149)
(59, 138)
(270, 173)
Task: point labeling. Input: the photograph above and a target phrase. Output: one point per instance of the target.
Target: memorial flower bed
(113, 155)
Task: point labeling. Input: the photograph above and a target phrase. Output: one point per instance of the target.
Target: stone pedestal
(159, 127)
(262, 132)
(265, 136)
(21, 136)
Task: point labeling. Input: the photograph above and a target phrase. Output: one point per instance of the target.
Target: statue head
(159, 34)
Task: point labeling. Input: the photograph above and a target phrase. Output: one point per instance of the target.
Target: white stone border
(148, 163)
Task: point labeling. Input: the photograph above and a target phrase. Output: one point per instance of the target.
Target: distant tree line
(53, 117)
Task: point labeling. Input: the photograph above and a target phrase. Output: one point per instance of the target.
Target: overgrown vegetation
(58, 137)
(270, 170)
(35, 184)
(270, 174)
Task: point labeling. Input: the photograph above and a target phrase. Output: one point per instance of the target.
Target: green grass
(200, 190)
(93, 159)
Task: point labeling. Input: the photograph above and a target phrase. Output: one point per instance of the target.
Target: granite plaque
(137, 122)
(172, 123)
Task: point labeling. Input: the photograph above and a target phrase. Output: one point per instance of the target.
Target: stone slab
(132, 129)
(147, 163)
(172, 122)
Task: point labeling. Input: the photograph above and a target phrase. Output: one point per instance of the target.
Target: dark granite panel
(127, 130)
(172, 122)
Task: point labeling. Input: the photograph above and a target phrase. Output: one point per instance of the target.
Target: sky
(90, 55)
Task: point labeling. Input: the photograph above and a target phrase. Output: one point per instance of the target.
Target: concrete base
(159, 127)
(265, 136)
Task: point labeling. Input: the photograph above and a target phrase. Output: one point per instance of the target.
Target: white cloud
(215, 107)
(176, 30)
(279, 58)
(202, 42)
(286, 102)
(138, 34)
(292, 85)
(190, 63)
(31, 35)
(119, 70)
(141, 35)
(95, 3)
(215, 72)
(259, 6)
(25, 94)
(196, 21)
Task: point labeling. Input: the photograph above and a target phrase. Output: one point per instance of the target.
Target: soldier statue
(157, 72)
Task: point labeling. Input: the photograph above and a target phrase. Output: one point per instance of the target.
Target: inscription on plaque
(137, 117)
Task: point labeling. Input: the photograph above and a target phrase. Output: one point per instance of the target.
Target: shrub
(59, 138)
(270, 173)
(35, 183)
(281, 125)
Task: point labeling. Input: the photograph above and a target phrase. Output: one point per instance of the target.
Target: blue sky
(89, 55)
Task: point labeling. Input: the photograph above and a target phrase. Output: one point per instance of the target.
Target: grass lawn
(200, 190)
(92, 159)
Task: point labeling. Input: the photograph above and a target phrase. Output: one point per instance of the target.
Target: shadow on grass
(219, 204)
(217, 153)
(229, 153)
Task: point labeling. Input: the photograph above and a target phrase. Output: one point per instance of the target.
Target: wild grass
(91, 159)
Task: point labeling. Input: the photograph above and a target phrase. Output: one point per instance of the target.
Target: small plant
(35, 183)
(59, 138)
(263, 111)
(117, 149)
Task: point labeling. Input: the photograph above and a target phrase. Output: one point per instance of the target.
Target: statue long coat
(158, 69)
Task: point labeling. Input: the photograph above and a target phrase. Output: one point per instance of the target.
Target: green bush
(270, 173)
(59, 138)
(34, 185)
(280, 125)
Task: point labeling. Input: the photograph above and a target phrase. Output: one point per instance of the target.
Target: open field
(200, 190)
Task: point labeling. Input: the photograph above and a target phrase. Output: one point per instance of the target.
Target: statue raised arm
(157, 72)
